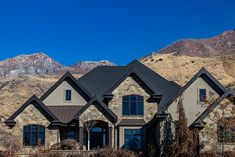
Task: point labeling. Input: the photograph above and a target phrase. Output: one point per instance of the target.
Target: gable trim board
(199, 120)
(37, 103)
(207, 77)
(71, 80)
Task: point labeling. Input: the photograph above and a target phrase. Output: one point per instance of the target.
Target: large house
(123, 106)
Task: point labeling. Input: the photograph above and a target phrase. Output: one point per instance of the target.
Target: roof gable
(207, 77)
(73, 82)
(104, 79)
(130, 72)
(228, 94)
(36, 102)
(103, 108)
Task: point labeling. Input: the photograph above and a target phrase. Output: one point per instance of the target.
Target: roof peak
(134, 63)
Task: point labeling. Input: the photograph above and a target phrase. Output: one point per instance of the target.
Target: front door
(98, 137)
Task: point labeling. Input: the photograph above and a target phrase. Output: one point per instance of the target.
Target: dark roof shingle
(100, 80)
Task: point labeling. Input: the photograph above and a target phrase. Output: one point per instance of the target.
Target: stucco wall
(128, 87)
(57, 97)
(29, 116)
(192, 106)
(208, 135)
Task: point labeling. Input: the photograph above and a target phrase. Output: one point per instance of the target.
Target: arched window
(133, 105)
(70, 134)
(34, 135)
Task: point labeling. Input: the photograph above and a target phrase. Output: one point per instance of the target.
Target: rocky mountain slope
(85, 66)
(181, 60)
(221, 44)
(40, 63)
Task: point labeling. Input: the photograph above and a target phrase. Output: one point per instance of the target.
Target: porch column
(81, 135)
(110, 133)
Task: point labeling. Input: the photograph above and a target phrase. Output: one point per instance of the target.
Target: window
(226, 131)
(34, 135)
(70, 135)
(68, 95)
(132, 105)
(202, 95)
(132, 139)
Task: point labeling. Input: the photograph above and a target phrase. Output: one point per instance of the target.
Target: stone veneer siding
(208, 135)
(29, 116)
(130, 87)
(92, 113)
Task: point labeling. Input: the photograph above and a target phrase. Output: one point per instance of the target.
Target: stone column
(110, 133)
(81, 135)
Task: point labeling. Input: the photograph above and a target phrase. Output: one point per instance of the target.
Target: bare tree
(89, 123)
(9, 141)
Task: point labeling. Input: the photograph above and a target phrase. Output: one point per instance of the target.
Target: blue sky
(116, 30)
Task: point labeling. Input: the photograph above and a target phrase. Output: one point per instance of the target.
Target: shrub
(9, 142)
(66, 145)
(228, 154)
(110, 152)
(208, 154)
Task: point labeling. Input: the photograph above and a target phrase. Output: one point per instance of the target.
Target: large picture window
(34, 135)
(133, 105)
(132, 139)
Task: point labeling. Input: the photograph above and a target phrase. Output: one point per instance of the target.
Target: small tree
(9, 141)
(88, 125)
(185, 143)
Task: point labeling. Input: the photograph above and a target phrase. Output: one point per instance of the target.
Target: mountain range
(177, 62)
(40, 63)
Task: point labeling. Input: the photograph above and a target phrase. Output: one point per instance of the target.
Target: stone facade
(29, 116)
(92, 113)
(130, 87)
(209, 134)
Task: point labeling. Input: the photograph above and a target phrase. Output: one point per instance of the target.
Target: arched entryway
(98, 135)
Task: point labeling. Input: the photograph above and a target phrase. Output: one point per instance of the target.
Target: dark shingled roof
(131, 122)
(65, 113)
(103, 79)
